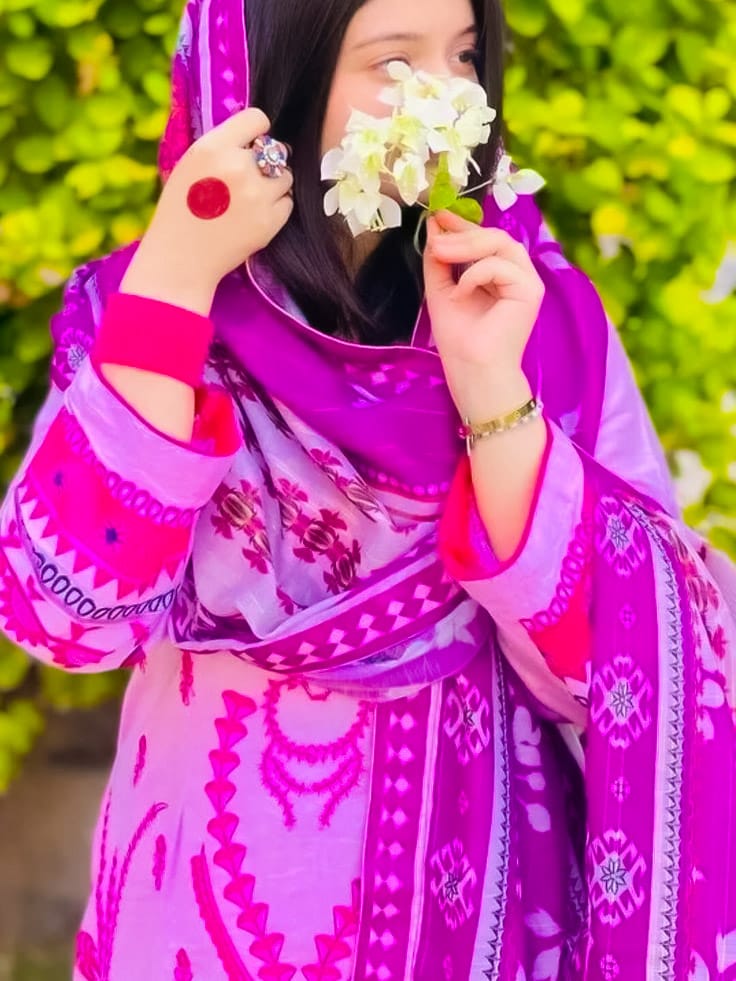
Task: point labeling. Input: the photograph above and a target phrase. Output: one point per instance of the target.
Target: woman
(395, 711)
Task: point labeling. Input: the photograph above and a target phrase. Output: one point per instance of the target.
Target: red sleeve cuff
(462, 538)
(153, 335)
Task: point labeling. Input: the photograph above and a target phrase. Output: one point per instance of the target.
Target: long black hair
(294, 49)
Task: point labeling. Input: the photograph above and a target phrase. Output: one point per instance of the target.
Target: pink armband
(153, 335)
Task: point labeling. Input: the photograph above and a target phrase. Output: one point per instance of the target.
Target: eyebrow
(408, 37)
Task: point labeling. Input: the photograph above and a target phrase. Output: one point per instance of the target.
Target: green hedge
(625, 106)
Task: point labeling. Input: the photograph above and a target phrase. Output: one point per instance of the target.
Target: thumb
(438, 275)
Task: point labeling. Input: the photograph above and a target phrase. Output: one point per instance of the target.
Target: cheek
(336, 118)
(348, 93)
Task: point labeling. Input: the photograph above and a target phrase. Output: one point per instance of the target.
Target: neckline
(353, 347)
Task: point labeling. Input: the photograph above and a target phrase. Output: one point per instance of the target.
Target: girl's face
(438, 36)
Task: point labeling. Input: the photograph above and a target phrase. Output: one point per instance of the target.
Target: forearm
(504, 467)
(167, 403)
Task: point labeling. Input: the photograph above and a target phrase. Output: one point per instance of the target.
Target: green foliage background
(625, 106)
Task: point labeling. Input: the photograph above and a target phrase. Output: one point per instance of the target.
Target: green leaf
(34, 155)
(443, 192)
(30, 59)
(527, 17)
(14, 665)
(467, 208)
(53, 102)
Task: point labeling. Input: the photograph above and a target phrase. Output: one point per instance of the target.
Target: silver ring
(271, 155)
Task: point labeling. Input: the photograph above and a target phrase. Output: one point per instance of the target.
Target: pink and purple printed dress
(354, 744)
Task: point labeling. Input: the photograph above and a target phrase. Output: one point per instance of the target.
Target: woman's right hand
(184, 256)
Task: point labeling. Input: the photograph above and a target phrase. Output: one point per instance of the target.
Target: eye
(473, 56)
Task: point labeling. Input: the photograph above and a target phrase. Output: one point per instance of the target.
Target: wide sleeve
(621, 622)
(541, 597)
(97, 525)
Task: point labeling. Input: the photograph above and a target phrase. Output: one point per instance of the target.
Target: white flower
(409, 135)
(474, 125)
(410, 175)
(430, 116)
(363, 207)
(466, 95)
(507, 186)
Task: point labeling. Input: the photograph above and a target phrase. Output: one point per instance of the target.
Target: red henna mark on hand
(208, 198)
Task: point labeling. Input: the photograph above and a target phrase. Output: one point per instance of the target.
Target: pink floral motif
(290, 498)
(183, 969)
(253, 915)
(16, 602)
(186, 680)
(466, 720)
(335, 947)
(140, 760)
(240, 890)
(240, 510)
(453, 883)
(213, 922)
(621, 701)
(344, 753)
(159, 861)
(93, 958)
(616, 877)
(288, 605)
(355, 489)
(21, 621)
(67, 483)
(319, 536)
(618, 538)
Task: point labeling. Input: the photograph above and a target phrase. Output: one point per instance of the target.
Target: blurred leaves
(84, 90)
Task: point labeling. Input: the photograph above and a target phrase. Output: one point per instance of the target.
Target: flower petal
(505, 196)
(399, 70)
(332, 163)
(526, 181)
(355, 226)
(504, 168)
(332, 201)
(390, 212)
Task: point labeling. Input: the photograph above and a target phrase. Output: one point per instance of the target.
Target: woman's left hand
(481, 324)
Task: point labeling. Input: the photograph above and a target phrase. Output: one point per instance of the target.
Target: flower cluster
(424, 149)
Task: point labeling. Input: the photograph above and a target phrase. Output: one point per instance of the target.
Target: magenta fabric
(354, 745)
(146, 333)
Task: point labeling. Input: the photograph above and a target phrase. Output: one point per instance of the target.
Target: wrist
(153, 335)
(159, 274)
(490, 393)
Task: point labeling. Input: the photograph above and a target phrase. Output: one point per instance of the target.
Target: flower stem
(422, 219)
(471, 190)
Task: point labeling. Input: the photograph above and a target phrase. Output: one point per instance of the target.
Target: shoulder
(74, 325)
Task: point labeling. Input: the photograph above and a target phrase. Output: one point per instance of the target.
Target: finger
(283, 184)
(274, 187)
(472, 245)
(438, 275)
(490, 271)
(240, 129)
(451, 222)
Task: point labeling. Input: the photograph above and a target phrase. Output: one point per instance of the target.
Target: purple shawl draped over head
(507, 837)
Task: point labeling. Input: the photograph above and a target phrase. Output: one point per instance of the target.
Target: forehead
(410, 20)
